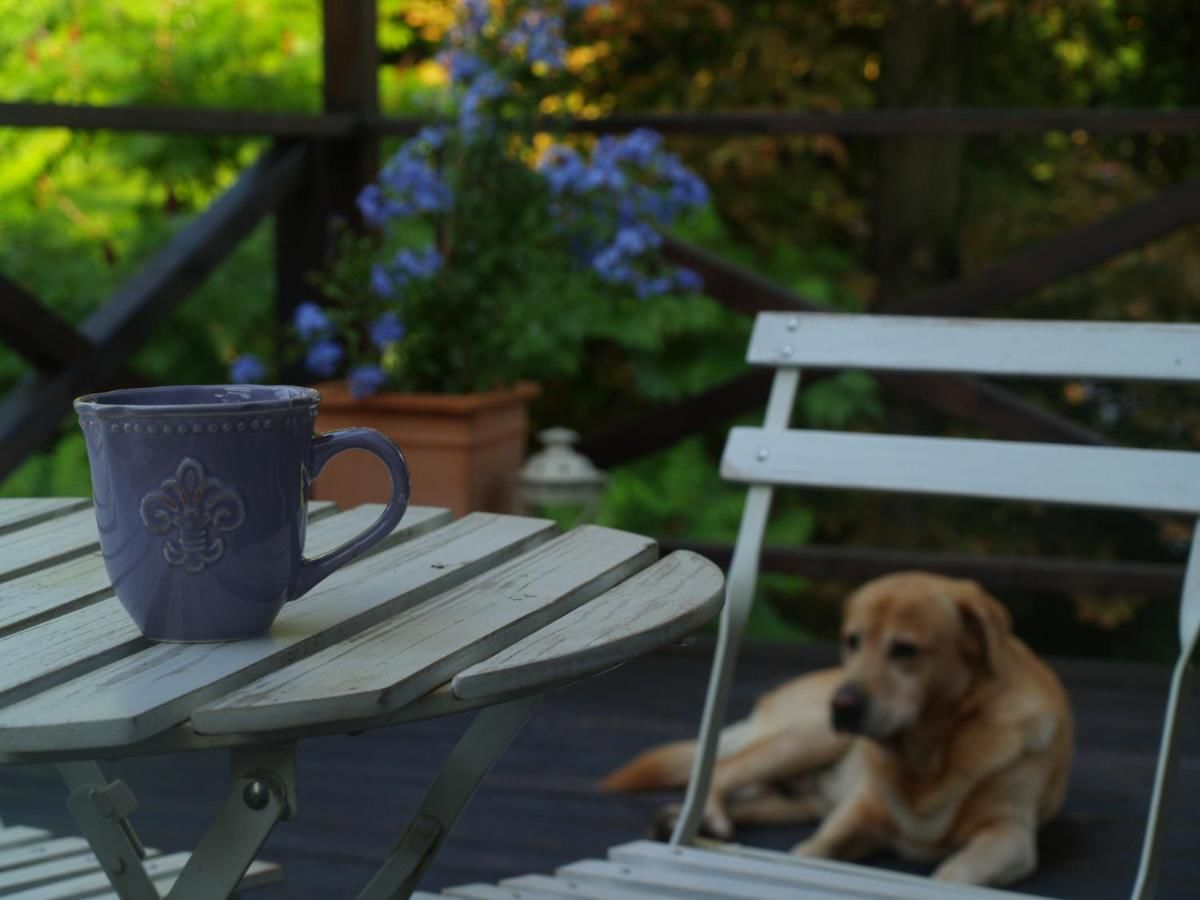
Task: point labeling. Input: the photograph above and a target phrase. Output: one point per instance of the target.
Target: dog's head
(910, 640)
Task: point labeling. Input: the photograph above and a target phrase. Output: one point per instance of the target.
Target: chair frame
(776, 456)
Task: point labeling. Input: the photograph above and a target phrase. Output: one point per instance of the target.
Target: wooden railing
(317, 163)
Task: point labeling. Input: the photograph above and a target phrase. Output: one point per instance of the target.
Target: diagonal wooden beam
(47, 340)
(1061, 256)
(38, 333)
(668, 423)
(33, 412)
(733, 286)
(1006, 414)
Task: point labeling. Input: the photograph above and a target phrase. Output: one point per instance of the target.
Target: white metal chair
(775, 455)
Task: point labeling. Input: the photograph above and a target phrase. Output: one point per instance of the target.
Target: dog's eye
(903, 650)
(851, 643)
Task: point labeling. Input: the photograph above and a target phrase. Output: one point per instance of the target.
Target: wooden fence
(316, 164)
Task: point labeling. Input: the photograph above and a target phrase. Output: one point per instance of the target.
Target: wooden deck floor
(540, 808)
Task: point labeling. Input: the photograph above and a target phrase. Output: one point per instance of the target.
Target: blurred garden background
(849, 222)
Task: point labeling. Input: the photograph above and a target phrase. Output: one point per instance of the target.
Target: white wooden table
(487, 612)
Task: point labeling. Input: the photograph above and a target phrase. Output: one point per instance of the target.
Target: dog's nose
(849, 708)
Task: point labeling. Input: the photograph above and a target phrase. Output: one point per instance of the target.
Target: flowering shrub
(495, 255)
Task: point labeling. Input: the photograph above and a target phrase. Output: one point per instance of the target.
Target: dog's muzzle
(848, 708)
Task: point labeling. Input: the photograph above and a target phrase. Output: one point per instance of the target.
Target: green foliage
(81, 212)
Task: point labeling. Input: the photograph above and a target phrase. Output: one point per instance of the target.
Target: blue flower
(634, 240)
(323, 358)
(432, 136)
(406, 266)
(409, 264)
(412, 185)
(462, 66)
(563, 169)
(688, 281)
(476, 14)
(537, 37)
(488, 86)
(387, 329)
(641, 147)
(652, 287)
(247, 369)
(580, 5)
(381, 282)
(310, 321)
(365, 380)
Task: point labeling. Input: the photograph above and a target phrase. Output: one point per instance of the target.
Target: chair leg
(739, 597)
(1164, 775)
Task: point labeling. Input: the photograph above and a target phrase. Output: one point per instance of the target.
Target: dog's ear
(986, 623)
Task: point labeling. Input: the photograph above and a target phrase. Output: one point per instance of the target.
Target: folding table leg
(263, 791)
(474, 754)
(101, 810)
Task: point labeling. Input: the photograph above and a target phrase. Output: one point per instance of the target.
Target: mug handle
(322, 449)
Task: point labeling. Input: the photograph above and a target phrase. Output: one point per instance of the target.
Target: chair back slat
(1015, 348)
(1163, 480)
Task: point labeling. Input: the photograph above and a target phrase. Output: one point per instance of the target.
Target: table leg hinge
(269, 770)
(115, 800)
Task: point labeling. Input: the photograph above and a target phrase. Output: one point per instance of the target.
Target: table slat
(19, 512)
(90, 637)
(388, 666)
(136, 697)
(658, 605)
(57, 589)
(48, 542)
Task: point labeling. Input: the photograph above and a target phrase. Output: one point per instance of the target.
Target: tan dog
(941, 737)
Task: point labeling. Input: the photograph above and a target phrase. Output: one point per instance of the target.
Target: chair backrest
(775, 455)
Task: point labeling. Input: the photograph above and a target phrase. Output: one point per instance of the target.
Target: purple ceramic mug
(201, 496)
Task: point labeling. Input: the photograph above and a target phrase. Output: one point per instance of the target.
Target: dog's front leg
(1000, 854)
(856, 828)
(782, 755)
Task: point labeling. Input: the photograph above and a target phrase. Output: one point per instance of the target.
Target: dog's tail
(663, 767)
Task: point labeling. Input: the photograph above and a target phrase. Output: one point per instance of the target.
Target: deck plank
(541, 808)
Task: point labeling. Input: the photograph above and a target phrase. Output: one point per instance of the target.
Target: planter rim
(335, 395)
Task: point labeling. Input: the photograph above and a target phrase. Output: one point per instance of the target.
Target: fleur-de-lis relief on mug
(193, 508)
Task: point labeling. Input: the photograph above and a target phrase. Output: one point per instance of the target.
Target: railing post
(335, 168)
(351, 86)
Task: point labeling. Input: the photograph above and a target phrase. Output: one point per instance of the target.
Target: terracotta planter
(463, 450)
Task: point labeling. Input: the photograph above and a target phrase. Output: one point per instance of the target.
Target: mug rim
(109, 404)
